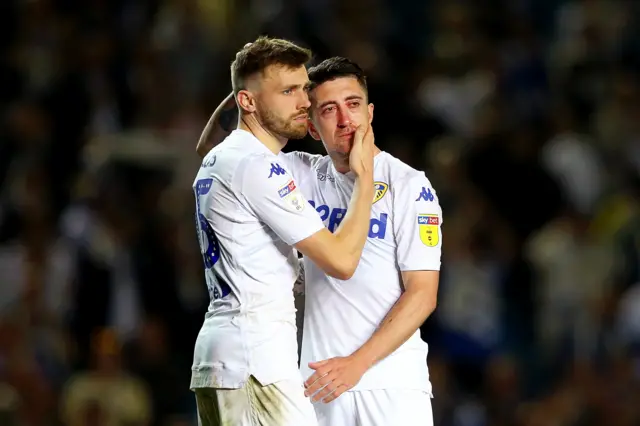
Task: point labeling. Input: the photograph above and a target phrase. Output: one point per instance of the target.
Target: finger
(311, 390)
(335, 394)
(360, 133)
(318, 364)
(324, 392)
(368, 138)
(321, 371)
(314, 377)
(317, 385)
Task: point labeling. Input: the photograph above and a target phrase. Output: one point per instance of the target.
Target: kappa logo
(428, 226)
(425, 195)
(380, 188)
(277, 170)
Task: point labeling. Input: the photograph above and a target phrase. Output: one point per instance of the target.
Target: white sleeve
(273, 195)
(417, 222)
(300, 163)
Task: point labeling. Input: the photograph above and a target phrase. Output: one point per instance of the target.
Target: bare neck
(272, 141)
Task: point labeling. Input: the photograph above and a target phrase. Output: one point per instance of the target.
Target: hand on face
(361, 156)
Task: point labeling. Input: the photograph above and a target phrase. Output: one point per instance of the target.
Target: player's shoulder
(305, 159)
(304, 166)
(241, 159)
(241, 150)
(400, 173)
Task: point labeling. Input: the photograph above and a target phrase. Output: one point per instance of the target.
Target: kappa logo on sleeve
(428, 226)
(426, 195)
(277, 170)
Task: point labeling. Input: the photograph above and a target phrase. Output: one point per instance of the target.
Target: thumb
(317, 364)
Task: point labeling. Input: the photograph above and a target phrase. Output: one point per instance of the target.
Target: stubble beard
(285, 128)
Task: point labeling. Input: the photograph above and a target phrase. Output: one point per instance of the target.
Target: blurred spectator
(523, 114)
(105, 394)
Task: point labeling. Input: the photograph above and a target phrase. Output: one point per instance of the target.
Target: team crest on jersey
(380, 188)
(428, 225)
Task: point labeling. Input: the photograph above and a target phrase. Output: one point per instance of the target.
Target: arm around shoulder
(219, 125)
(278, 202)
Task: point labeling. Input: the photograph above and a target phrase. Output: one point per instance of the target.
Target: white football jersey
(249, 213)
(404, 235)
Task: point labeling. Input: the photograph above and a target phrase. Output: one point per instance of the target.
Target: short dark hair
(336, 67)
(262, 53)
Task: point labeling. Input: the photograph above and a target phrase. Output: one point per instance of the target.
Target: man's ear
(370, 106)
(246, 101)
(313, 131)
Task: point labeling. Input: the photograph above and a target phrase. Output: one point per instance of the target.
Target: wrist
(364, 358)
(365, 179)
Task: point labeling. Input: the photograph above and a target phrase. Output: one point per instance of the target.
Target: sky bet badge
(428, 225)
(380, 188)
(292, 197)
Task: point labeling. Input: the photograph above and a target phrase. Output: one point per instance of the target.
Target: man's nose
(344, 120)
(304, 100)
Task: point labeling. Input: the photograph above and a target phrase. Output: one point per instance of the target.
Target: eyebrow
(297, 86)
(348, 98)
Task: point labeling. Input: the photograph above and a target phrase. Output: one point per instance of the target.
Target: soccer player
(250, 215)
(378, 362)
(361, 339)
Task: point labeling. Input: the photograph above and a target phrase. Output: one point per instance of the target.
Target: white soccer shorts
(279, 404)
(396, 407)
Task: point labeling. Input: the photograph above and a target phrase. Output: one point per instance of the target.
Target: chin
(297, 135)
(345, 149)
(297, 132)
(340, 157)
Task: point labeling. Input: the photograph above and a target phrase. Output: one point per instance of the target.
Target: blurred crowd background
(524, 114)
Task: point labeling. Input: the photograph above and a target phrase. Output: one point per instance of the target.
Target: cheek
(360, 117)
(295, 102)
(325, 127)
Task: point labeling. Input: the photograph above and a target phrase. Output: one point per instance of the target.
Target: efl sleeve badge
(428, 225)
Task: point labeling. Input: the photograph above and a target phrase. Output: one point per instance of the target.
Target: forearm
(218, 127)
(354, 228)
(406, 316)
(205, 143)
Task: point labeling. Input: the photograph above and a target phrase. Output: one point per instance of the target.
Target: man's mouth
(347, 134)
